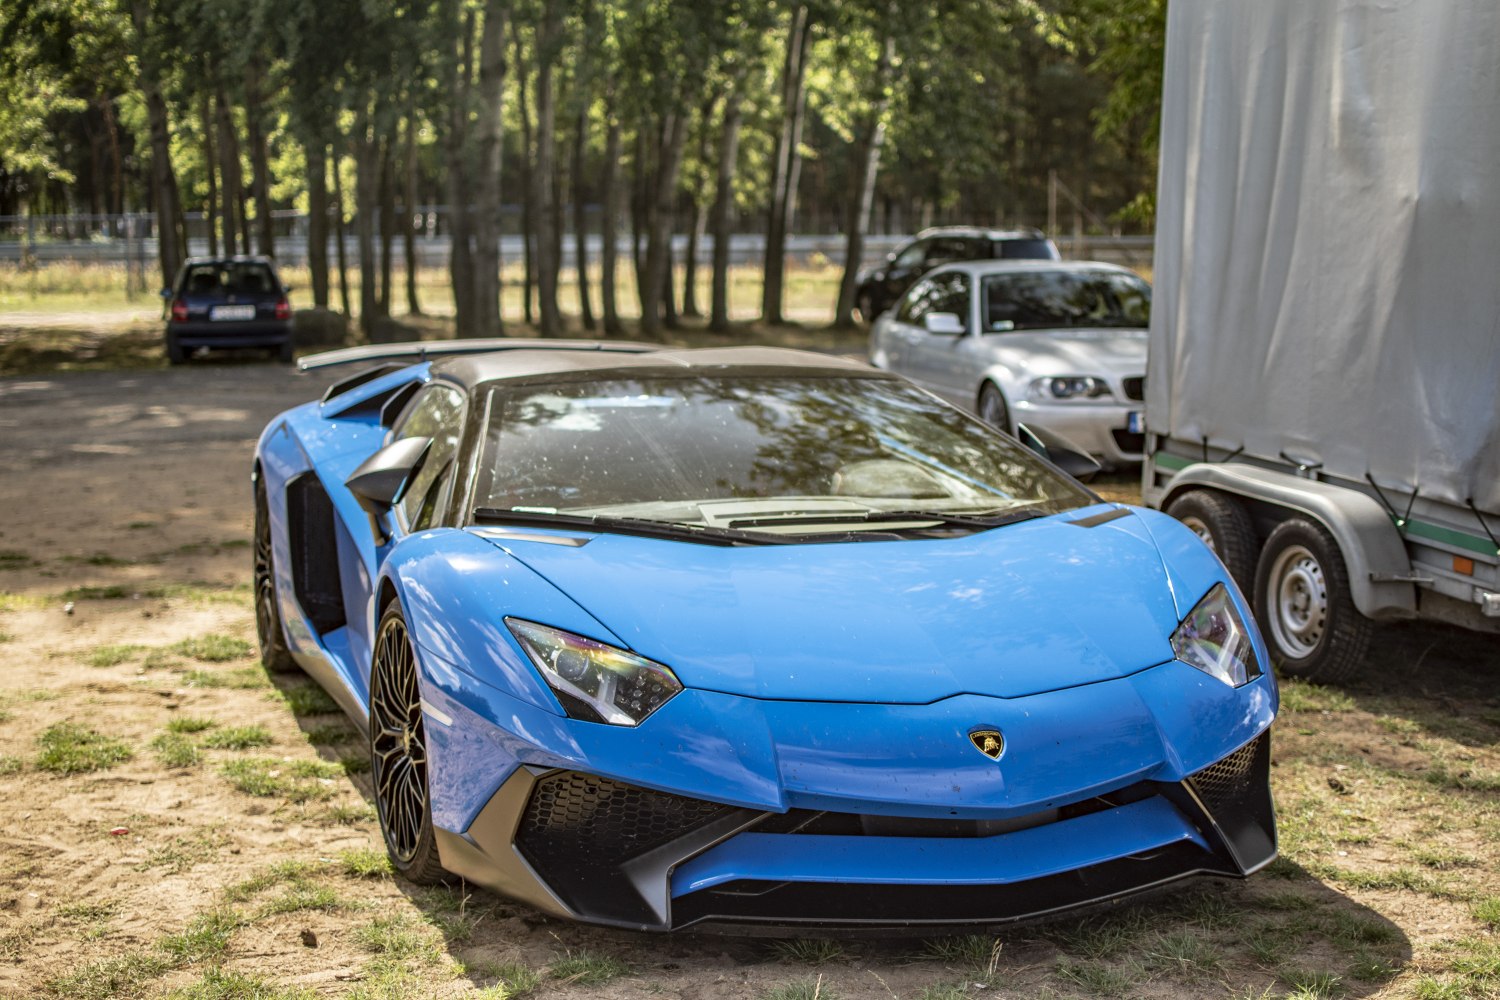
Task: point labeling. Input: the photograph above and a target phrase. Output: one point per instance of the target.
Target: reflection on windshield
(1052, 300)
(706, 450)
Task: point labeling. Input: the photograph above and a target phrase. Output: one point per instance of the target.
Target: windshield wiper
(643, 526)
(976, 521)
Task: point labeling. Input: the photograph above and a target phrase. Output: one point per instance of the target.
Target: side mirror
(381, 479)
(947, 324)
(1058, 450)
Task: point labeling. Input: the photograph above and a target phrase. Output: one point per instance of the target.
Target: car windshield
(1050, 300)
(219, 279)
(796, 452)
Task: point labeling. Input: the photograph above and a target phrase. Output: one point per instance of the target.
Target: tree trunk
(342, 248)
(640, 177)
(487, 214)
(409, 216)
(659, 213)
(700, 212)
(387, 220)
(260, 157)
(163, 181)
(580, 219)
(528, 212)
(862, 200)
(117, 174)
(461, 269)
(723, 210)
(788, 165)
(211, 209)
(229, 170)
(609, 214)
(548, 39)
(366, 183)
(317, 222)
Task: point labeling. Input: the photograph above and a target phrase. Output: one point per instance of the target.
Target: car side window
(949, 249)
(436, 413)
(911, 256)
(918, 302)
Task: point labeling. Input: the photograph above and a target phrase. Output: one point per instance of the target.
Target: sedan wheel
(992, 408)
(398, 754)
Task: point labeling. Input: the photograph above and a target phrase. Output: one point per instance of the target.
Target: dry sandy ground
(162, 874)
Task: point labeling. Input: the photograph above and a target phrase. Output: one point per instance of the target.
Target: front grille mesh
(575, 811)
(1225, 781)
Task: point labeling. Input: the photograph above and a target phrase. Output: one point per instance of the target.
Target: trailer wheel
(1304, 606)
(1224, 525)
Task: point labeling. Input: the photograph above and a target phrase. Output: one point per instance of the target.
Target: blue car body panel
(836, 678)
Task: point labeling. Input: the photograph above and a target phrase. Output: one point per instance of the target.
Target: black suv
(228, 302)
(882, 287)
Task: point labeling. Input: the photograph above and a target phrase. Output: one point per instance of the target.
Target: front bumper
(904, 838)
(1101, 429)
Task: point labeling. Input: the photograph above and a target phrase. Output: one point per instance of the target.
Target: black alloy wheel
(274, 655)
(398, 754)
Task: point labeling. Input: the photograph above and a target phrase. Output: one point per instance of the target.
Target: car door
(928, 353)
(947, 358)
(904, 269)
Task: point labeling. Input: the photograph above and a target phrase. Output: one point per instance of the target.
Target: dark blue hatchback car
(228, 302)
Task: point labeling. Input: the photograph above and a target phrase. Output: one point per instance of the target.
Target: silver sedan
(1060, 345)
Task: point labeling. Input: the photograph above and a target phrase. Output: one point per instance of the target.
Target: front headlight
(1069, 387)
(595, 682)
(1214, 639)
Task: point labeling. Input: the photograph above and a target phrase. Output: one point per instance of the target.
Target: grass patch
(1312, 985)
(808, 951)
(295, 872)
(801, 989)
(15, 559)
(182, 853)
(240, 678)
(10, 765)
(214, 648)
(68, 748)
(294, 780)
(331, 734)
(512, 979)
(1301, 696)
(20, 602)
(303, 897)
(1096, 978)
(190, 724)
(970, 949)
(351, 815)
(588, 968)
(400, 938)
(225, 984)
(176, 750)
(1487, 912)
(207, 937)
(111, 977)
(309, 699)
(159, 659)
(364, 862)
(1183, 955)
(111, 656)
(239, 738)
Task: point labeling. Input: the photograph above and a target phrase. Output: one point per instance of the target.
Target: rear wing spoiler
(423, 350)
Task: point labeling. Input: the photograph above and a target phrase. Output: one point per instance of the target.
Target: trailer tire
(1224, 525)
(1304, 606)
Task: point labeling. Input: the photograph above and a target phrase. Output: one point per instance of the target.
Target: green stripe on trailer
(1171, 462)
(1458, 539)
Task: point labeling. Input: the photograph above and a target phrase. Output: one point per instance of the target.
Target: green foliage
(68, 748)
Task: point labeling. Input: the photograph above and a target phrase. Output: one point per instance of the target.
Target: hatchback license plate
(1134, 424)
(218, 313)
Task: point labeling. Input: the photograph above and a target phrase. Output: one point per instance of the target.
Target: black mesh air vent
(315, 553)
(575, 812)
(1227, 780)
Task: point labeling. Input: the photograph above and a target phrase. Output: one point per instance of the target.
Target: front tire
(274, 654)
(1305, 607)
(398, 754)
(992, 409)
(1224, 525)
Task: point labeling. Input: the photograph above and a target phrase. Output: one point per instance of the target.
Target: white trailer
(1323, 385)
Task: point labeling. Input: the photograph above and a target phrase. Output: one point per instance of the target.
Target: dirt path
(226, 842)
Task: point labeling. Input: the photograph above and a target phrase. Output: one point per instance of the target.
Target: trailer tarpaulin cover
(1328, 238)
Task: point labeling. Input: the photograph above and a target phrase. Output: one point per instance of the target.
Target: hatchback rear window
(219, 280)
(1027, 249)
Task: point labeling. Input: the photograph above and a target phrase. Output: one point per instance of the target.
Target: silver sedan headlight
(595, 682)
(1056, 388)
(1214, 639)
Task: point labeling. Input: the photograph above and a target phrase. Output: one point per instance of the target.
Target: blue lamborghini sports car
(659, 639)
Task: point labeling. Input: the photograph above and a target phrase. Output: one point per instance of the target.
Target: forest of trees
(693, 117)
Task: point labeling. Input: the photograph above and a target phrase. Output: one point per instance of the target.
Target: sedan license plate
(219, 313)
(1134, 424)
